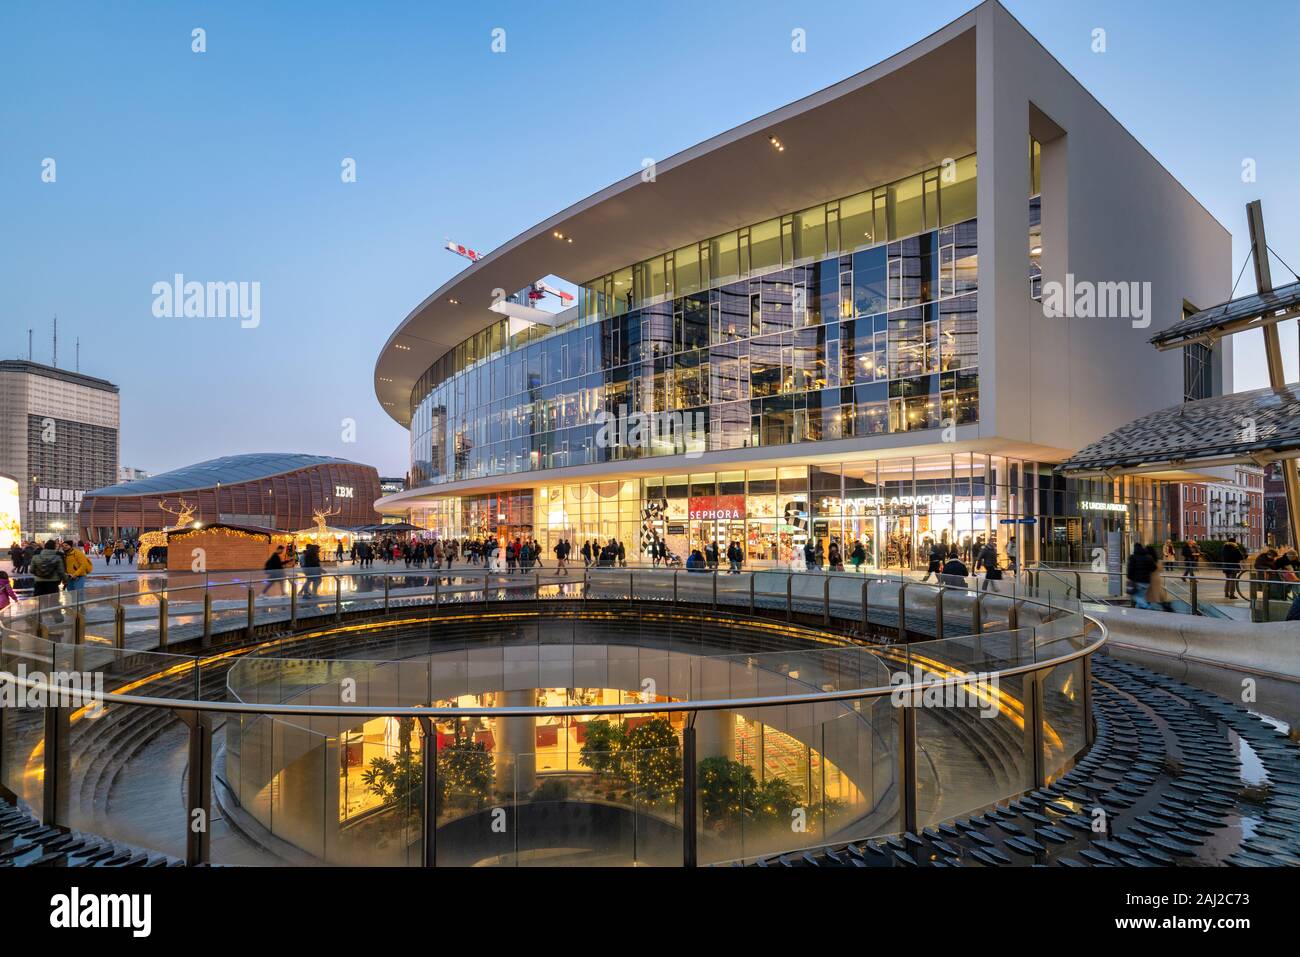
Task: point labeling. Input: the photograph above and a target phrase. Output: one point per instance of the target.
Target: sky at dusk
(225, 165)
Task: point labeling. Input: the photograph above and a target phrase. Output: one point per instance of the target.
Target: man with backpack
(48, 572)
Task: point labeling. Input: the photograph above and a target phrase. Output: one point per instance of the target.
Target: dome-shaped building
(267, 489)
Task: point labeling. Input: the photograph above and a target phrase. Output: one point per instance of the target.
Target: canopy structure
(391, 527)
(1245, 427)
(1255, 311)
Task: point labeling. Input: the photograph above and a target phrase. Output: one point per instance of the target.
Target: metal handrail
(941, 588)
(546, 711)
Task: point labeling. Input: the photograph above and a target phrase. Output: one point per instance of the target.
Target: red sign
(717, 507)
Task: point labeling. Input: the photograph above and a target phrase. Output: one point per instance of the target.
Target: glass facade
(895, 507)
(853, 318)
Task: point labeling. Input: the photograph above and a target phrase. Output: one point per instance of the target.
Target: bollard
(826, 600)
(198, 829)
(119, 627)
(907, 764)
(252, 601)
(938, 613)
(429, 815)
(1196, 605)
(162, 621)
(338, 600)
(1033, 703)
(902, 610)
(789, 597)
(56, 766)
(866, 622)
(690, 854)
(386, 581)
(207, 617)
(79, 640)
(293, 607)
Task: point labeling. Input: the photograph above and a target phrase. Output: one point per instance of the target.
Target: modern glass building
(827, 323)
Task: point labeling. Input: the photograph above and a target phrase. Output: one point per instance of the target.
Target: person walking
(1013, 555)
(7, 594)
(48, 573)
(735, 557)
(1232, 557)
(312, 570)
(274, 568)
(1191, 556)
(586, 554)
(1140, 568)
(988, 560)
(935, 566)
(77, 566)
(1156, 594)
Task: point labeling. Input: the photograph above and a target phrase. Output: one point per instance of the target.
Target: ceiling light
(454, 302)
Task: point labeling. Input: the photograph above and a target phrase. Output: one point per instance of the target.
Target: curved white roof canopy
(890, 121)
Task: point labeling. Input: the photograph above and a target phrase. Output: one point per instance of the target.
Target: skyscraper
(58, 437)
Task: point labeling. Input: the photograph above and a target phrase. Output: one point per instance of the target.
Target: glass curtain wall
(853, 318)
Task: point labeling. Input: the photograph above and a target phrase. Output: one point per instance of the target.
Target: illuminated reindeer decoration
(319, 515)
(184, 513)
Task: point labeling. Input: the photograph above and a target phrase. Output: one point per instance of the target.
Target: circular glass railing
(551, 744)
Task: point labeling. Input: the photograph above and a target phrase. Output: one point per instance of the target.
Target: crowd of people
(1274, 572)
(51, 566)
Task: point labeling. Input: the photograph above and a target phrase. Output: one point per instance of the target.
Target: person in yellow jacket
(77, 566)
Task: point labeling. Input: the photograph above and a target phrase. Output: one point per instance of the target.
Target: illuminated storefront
(896, 508)
(10, 525)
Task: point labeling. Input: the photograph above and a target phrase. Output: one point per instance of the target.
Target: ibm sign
(343, 491)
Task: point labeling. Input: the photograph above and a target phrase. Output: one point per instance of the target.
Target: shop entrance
(723, 531)
(898, 541)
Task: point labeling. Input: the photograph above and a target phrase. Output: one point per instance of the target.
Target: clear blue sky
(226, 165)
